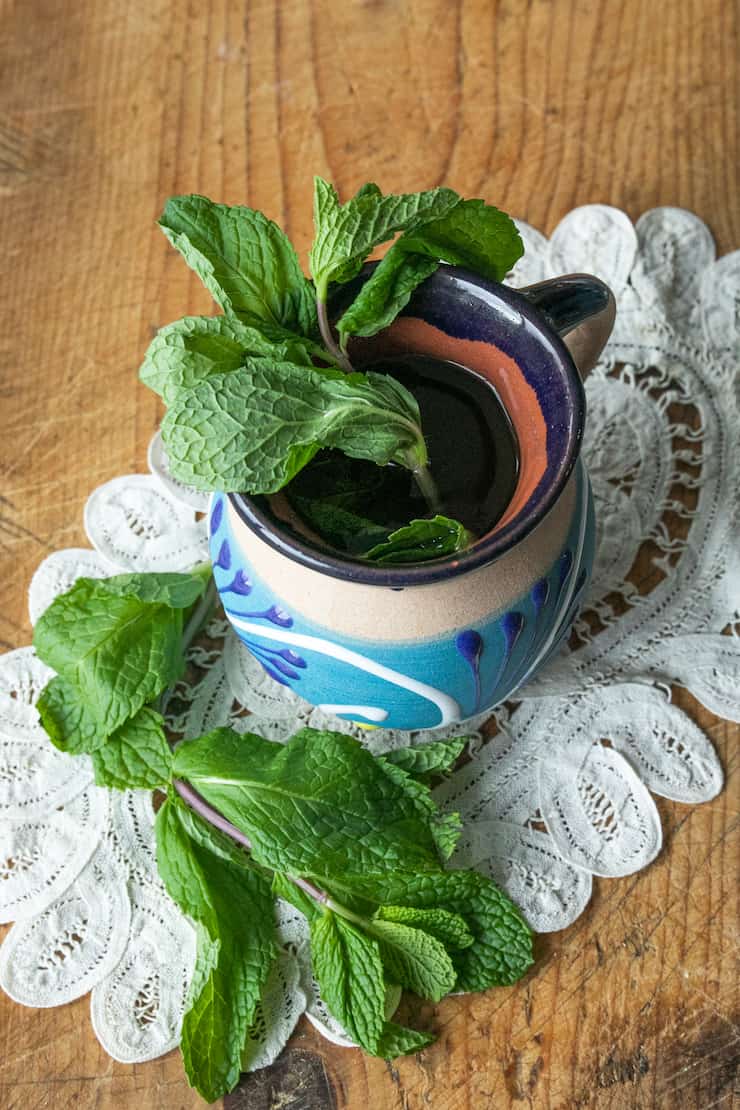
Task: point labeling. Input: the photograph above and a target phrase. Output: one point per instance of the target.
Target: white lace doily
(561, 792)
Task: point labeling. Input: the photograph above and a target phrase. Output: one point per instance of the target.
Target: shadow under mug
(423, 646)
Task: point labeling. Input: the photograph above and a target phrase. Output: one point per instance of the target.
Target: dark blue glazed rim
(466, 306)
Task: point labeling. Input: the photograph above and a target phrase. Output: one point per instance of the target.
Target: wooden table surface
(106, 108)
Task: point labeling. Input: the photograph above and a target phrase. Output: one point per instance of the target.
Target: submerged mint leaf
(420, 541)
(338, 526)
(236, 950)
(386, 292)
(118, 651)
(318, 805)
(136, 756)
(352, 503)
(346, 233)
(245, 261)
(428, 759)
(255, 428)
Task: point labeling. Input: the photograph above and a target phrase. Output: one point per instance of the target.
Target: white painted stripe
(369, 711)
(448, 707)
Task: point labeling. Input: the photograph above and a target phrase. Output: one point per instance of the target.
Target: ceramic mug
(416, 647)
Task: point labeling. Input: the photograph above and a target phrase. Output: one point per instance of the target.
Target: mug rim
(489, 547)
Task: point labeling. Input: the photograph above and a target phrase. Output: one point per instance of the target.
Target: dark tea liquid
(473, 460)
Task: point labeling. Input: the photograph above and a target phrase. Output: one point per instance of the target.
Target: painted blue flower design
(281, 662)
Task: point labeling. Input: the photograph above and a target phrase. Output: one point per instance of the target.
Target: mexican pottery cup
(414, 647)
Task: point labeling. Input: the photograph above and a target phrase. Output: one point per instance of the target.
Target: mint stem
(193, 799)
(201, 613)
(428, 487)
(198, 618)
(326, 334)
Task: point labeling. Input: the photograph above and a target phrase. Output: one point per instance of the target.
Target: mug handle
(581, 309)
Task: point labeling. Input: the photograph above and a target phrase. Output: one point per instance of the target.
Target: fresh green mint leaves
(232, 904)
(470, 234)
(244, 260)
(114, 650)
(116, 645)
(322, 809)
(385, 824)
(345, 234)
(258, 426)
(252, 394)
(354, 841)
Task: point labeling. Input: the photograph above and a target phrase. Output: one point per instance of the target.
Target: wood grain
(105, 110)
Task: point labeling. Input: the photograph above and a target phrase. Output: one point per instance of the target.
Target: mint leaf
(372, 416)
(340, 527)
(117, 651)
(319, 805)
(449, 928)
(501, 950)
(245, 261)
(395, 1041)
(348, 501)
(473, 234)
(177, 591)
(346, 233)
(386, 292)
(444, 827)
(349, 972)
(67, 722)
(420, 541)
(413, 958)
(189, 350)
(253, 429)
(428, 759)
(136, 756)
(236, 950)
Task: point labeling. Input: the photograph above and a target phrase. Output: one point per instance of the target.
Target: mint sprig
(245, 261)
(354, 841)
(233, 906)
(251, 397)
(255, 428)
(345, 234)
(118, 644)
(471, 234)
(285, 799)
